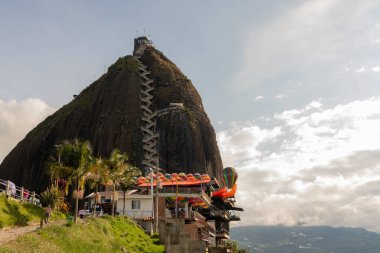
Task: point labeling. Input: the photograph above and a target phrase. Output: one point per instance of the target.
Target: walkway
(10, 234)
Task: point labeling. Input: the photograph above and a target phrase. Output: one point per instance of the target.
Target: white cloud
(259, 98)
(308, 41)
(280, 96)
(363, 69)
(17, 119)
(360, 70)
(314, 165)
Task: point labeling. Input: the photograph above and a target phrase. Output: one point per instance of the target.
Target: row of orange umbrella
(173, 177)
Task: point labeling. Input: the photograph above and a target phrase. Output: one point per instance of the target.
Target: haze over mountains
(278, 239)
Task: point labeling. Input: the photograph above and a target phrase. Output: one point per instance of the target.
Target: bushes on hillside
(51, 197)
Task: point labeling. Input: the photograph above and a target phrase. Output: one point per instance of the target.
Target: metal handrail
(181, 190)
(19, 193)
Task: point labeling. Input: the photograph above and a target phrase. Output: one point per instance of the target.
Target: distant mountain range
(278, 239)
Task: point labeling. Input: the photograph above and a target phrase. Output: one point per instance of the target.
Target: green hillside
(104, 234)
(14, 213)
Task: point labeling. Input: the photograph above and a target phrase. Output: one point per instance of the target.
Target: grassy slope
(105, 234)
(13, 213)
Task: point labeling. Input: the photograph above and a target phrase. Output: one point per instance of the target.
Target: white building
(136, 206)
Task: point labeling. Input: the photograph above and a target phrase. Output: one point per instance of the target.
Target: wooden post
(22, 194)
(151, 192)
(33, 197)
(186, 210)
(157, 182)
(7, 188)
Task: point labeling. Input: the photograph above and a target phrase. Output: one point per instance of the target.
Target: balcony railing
(138, 214)
(223, 233)
(181, 190)
(195, 216)
(168, 191)
(234, 216)
(220, 213)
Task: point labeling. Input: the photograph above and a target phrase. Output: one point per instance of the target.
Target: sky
(291, 87)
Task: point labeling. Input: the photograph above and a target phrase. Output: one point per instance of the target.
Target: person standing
(47, 214)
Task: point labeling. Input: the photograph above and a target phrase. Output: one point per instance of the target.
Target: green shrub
(155, 236)
(51, 197)
(22, 220)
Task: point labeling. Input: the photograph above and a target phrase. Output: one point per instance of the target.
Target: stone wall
(217, 250)
(177, 239)
(192, 230)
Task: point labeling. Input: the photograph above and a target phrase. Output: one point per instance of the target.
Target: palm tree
(74, 162)
(119, 172)
(129, 180)
(98, 174)
(56, 169)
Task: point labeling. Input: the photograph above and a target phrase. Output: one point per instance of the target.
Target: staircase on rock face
(149, 116)
(148, 126)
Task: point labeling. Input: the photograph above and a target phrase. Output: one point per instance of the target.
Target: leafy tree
(130, 175)
(58, 170)
(73, 163)
(98, 174)
(120, 172)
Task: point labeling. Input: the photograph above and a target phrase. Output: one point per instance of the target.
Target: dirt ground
(9, 234)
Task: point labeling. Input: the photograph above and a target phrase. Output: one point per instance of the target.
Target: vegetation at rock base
(14, 213)
(235, 247)
(77, 166)
(74, 162)
(106, 234)
(51, 197)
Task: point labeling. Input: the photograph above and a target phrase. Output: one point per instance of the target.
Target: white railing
(20, 193)
(179, 190)
(173, 191)
(137, 214)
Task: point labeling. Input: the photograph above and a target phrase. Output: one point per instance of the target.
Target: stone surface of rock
(108, 114)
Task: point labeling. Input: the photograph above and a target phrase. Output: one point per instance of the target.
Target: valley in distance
(318, 239)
